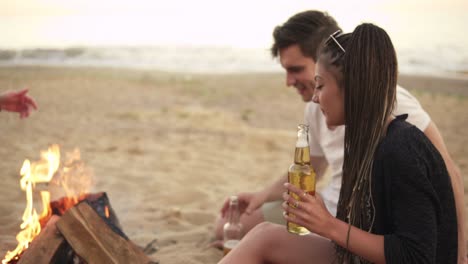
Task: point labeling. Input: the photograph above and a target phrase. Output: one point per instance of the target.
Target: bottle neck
(302, 155)
(233, 216)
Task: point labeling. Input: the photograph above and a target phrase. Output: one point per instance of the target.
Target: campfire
(78, 227)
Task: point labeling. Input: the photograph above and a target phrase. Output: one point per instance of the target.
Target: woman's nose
(315, 98)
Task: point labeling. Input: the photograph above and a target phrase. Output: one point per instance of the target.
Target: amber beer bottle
(233, 227)
(301, 174)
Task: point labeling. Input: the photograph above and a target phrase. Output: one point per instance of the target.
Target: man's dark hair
(307, 29)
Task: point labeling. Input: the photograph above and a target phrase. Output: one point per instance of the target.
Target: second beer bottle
(233, 227)
(301, 174)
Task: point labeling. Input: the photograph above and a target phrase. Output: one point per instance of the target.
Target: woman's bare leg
(271, 243)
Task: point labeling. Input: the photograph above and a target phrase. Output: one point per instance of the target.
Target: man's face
(300, 71)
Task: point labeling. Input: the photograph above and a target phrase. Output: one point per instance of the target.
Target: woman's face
(329, 95)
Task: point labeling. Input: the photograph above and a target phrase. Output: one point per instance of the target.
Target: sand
(168, 148)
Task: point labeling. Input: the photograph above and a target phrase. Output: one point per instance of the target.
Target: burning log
(79, 228)
(101, 205)
(98, 201)
(88, 232)
(94, 241)
(45, 245)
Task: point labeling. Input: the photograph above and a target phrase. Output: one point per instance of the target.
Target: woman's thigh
(271, 243)
(291, 248)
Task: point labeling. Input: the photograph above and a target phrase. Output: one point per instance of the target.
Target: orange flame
(106, 211)
(43, 171)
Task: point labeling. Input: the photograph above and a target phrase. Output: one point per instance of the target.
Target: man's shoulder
(406, 103)
(404, 97)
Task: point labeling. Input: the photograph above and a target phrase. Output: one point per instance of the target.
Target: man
(296, 43)
(17, 101)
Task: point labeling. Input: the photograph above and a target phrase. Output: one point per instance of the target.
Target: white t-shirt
(329, 143)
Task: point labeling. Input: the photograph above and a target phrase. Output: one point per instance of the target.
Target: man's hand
(248, 202)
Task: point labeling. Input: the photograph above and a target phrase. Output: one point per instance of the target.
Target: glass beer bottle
(301, 174)
(233, 227)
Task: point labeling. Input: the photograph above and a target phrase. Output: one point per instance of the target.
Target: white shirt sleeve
(408, 104)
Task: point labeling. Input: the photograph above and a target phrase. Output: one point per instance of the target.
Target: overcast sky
(239, 23)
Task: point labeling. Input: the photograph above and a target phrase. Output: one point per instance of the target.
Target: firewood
(98, 201)
(45, 246)
(94, 241)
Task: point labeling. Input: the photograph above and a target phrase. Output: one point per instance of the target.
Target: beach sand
(168, 148)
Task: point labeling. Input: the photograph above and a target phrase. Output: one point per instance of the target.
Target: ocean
(215, 59)
(217, 36)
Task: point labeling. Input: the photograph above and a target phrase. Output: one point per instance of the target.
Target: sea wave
(206, 59)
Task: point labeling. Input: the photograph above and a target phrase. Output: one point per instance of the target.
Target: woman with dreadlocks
(396, 203)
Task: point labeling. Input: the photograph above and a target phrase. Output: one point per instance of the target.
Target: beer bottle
(233, 227)
(301, 174)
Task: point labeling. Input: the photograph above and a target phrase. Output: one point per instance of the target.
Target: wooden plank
(93, 240)
(44, 247)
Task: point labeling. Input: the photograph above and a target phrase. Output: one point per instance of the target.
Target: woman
(396, 203)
